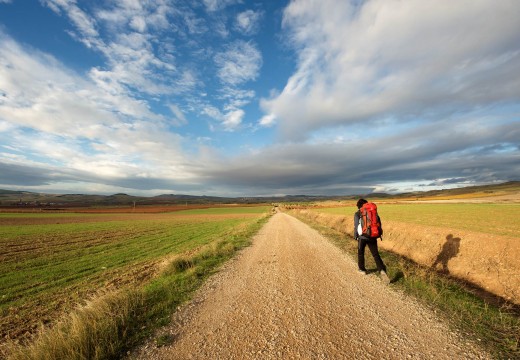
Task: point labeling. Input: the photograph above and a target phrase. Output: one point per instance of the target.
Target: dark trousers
(372, 245)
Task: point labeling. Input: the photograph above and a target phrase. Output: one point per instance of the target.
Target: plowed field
(50, 263)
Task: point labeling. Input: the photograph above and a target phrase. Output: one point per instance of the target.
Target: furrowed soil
(51, 263)
(293, 294)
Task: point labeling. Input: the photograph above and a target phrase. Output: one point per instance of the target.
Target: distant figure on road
(363, 241)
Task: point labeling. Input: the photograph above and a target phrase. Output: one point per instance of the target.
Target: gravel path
(294, 295)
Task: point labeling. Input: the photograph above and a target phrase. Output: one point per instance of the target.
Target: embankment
(491, 262)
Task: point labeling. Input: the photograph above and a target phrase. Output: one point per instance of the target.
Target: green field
(51, 262)
(497, 219)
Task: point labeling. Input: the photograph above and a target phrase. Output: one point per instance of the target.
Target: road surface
(294, 295)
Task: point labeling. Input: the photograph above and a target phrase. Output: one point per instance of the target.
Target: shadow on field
(449, 250)
(397, 277)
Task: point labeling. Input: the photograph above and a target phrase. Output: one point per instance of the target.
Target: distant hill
(481, 191)
(26, 198)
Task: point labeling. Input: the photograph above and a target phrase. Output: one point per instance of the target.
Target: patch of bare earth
(293, 294)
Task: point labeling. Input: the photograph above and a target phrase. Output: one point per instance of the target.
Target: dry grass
(95, 331)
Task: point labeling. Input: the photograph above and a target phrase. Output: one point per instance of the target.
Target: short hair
(360, 203)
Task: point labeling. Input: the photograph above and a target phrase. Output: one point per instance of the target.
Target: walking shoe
(384, 276)
(364, 272)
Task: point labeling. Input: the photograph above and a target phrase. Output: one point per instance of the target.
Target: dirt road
(294, 295)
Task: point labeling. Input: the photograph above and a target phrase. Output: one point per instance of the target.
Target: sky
(257, 98)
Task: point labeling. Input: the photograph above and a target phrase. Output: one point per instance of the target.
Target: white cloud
(141, 62)
(248, 22)
(85, 24)
(180, 119)
(221, 28)
(214, 5)
(195, 24)
(79, 125)
(233, 119)
(241, 62)
(229, 120)
(211, 5)
(129, 31)
(381, 58)
(5, 126)
(136, 15)
(268, 120)
(212, 112)
(236, 98)
(138, 24)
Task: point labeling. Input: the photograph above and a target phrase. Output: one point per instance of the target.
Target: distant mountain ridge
(27, 198)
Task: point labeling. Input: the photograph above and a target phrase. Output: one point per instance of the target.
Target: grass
(51, 257)
(494, 324)
(121, 316)
(497, 219)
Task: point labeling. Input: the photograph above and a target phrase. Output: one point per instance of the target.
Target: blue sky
(251, 98)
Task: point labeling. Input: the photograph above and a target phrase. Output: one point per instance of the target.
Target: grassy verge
(494, 324)
(110, 325)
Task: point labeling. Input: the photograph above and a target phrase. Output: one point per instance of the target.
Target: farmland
(497, 219)
(52, 262)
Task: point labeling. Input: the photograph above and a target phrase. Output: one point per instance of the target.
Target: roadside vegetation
(480, 317)
(118, 279)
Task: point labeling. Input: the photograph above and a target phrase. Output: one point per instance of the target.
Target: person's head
(360, 203)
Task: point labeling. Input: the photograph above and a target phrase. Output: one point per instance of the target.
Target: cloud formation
(77, 124)
(377, 59)
(248, 22)
(240, 62)
(179, 97)
(469, 149)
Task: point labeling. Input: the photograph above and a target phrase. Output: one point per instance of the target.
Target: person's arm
(356, 223)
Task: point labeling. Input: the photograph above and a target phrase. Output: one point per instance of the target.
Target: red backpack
(370, 224)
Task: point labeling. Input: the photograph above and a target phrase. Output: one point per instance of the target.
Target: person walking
(371, 242)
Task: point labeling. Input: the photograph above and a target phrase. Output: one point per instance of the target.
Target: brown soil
(488, 261)
(293, 294)
(140, 209)
(95, 218)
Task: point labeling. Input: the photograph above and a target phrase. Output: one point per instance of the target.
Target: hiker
(363, 241)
